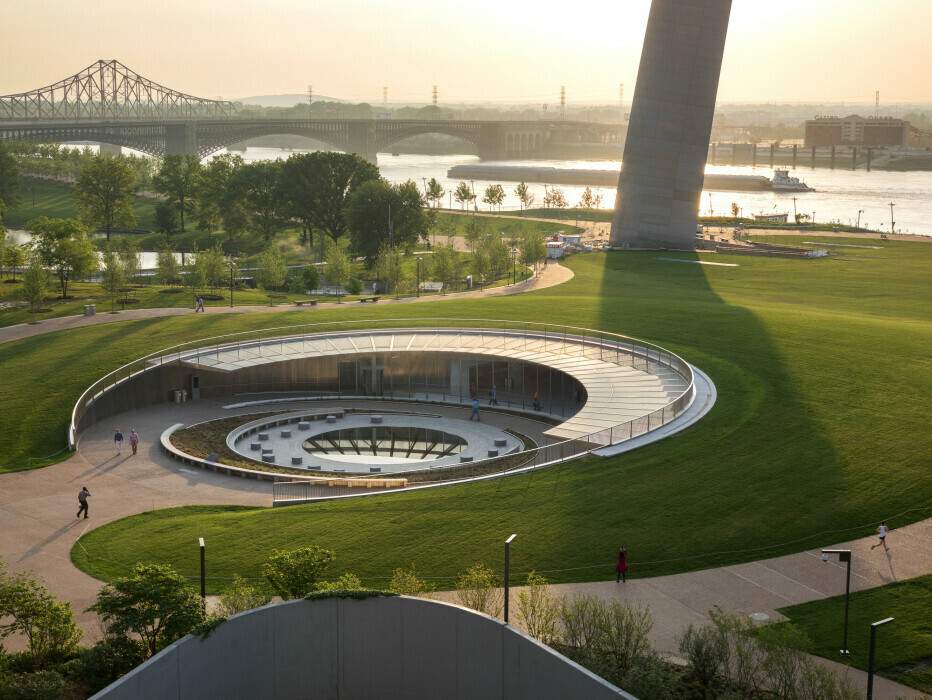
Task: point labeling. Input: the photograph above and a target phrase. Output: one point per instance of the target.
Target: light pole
(232, 266)
(870, 658)
(844, 555)
(200, 541)
(860, 211)
(892, 222)
(507, 572)
(418, 260)
(514, 266)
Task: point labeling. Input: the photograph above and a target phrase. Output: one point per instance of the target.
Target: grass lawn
(822, 369)
(903, 648)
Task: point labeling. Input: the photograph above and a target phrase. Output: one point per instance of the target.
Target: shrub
(354, 286)
(294, 574)
(42, 685)
(106, 661)
(538, 609)
(624, 633)
(347, 582)
(406, 582)
(480, 590)
(706, 652)
(582, 621)
(784, 650)
(240, 597)
(311, 278)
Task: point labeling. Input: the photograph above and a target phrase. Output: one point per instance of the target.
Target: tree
(192, 274)
(63, 246)
(294, 574)
(111, 274)
(14, 257)
(167, 267)
(210, 189)
(272, 269)
(735, 210)
(10, 180)
(490, 195)
(367, 216)
(176, 179)
(499, 254)
(587, 201)
(443, 265)
(129, 258)
(35, 284)
(155, 603)
(389, 268)
(30, 610)
(533, 249)
(538, 609)
(235, 219)
(481, 266)
(213, 266)
(320, 184)
(311, 278)
(259, 187)
(447, 227)
(166, 219)
(474, 232)
(463, 194)
(555, 199)
(338, 269)
(525, 195)
(434, 192)
(104, 193)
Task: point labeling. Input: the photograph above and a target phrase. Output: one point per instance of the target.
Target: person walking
(82, 501)
(475, 410)
(198, 303)
(622, 566)
(133, 440)
(118, 441)
(882, 534)
(493, 401)
(536, 401)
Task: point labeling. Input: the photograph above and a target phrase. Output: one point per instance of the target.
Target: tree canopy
(104, 193)
(368, 212)
(63, 246)
(10, 181)
(176, 179)
(258, 187)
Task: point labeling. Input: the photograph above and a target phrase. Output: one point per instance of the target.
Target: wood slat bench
(302, 302)
(363, 300)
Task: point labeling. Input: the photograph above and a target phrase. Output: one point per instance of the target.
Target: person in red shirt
(622, 566)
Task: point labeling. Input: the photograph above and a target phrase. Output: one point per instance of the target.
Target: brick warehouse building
(855, 130)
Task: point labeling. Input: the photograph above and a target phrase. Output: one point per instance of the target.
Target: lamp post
(232, 266)
(514, 266)
(203, 576)
(507, 572)
(844, 555)
(892, 222)
(870, 657)
(418, 260)
(860, 211)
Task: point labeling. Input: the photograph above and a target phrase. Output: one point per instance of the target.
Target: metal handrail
(623, 431)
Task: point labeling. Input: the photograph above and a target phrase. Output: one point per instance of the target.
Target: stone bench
(363, 300)
(306, 302)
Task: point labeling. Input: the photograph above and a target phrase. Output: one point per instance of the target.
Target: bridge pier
(492, 142)
(361, 141)
(181, 138)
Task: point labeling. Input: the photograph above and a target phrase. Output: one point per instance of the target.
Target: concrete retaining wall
(378, 648)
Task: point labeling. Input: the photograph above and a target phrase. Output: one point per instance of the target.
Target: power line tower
(310, 99)
(877, 104)
(435, 102)
(562, 102)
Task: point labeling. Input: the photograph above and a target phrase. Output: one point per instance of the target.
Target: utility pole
(563, 103)
(310, 99)
(384, 95)
(795, 220)
(892, 222)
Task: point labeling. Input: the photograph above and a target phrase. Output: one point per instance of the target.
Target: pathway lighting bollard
(418, 260)
(232, 266)
(507, 566)
(514, 266)
(844, 555)
(870, 658)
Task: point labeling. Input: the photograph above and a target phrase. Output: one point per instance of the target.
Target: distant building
(855, 130)
(780, 218)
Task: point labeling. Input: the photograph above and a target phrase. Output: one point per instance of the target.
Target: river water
(839, 194)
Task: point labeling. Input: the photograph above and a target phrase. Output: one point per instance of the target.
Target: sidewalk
(549, 276)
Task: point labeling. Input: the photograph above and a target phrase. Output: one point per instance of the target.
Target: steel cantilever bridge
(110, 103)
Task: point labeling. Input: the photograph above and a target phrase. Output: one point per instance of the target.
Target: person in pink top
(622, 566)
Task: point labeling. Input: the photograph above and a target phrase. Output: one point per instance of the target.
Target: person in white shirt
(882, 533)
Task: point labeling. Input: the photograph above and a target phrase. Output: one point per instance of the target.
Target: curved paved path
(548, 276)
(38, 530)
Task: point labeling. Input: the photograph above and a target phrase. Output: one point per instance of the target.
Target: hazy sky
(504, 50)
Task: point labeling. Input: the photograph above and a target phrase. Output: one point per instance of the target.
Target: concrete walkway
(549, 276)
(38, 530)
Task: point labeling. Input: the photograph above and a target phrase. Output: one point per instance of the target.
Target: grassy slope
(821, 366)
(903, 649)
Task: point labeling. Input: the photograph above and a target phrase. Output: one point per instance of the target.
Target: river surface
(839, 194)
